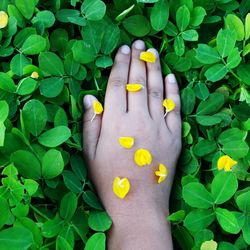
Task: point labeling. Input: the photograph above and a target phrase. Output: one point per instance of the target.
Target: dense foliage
(53, 52)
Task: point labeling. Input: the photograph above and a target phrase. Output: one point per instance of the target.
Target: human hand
(139, 115)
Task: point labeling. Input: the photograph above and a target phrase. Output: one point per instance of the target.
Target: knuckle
(139, 80)
(156, 93)
(116, 82)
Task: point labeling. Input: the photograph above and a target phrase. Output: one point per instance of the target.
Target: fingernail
(154, 51)
(171, 78)
(87, 101)
(125, 49)
(139, 44)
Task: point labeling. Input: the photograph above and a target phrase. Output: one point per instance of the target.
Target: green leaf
(50, 63)
(44, 17)
(97, 241)
(177, 216)
(197, 15)
(223, 187)
(195, 195)
(72, 181)
(233, 59)
(182, 17)
(198, 219)
(159, 15)
(18, 63)
(207, 55)
(51, 87)
(204, 147)
(236, 149)
(91, 199)
(227, 220)
(78, 167)
(93, 9)
(210, 106)
(208, 120)
(179, 46)
(99, 221)
(235, 24)
(4, 111)
(188, 101)
(216, 72)
(190, 35)
(68, 206)
(34, 116)
(33, 45)
(31, 186)
(6, 83)
(64, 15)
(225, 41)
(104, 62)
(201, 91)
(110, 38)
(242, 71)
(247, 26)
(5, 212)
(246, 230)
(2, 134)
(26, 7)
(83, 52)
(243, 201)
(51, 228)
(27, 164)
(26, 86)
(15, 238)
(232, 134)
(55, 136)
(52, 164)
(137, 25)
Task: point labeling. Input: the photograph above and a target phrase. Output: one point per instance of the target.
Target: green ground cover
(71, 45)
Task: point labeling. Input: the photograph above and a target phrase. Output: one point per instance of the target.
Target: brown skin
(139, 220)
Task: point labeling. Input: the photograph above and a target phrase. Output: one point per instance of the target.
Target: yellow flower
(34, 75)
(169, 105)
(162, 173)
(3, 19)
(142, 157)
(148, 57)
(98, 109)
(126, 142)
(209, 245)
(121, 187)
(133, 87)
(226, 162)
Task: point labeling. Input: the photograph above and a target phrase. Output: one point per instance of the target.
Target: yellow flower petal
(97, 106)
(148, 57)
(142, 157)
(3, 19)
(126, 142)
(162, 173)
(121, 187)
(34, 75)
(169, 105)
(209, 245)
(226, 162)
(133, 87)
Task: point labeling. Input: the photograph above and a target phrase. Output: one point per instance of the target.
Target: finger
(116, 97)
(137, 101)
(91, 127)
(155, 88)
(173, 118)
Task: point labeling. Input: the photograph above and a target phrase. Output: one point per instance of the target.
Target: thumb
(91, 126)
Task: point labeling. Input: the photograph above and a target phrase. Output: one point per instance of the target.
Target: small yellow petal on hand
(142, 157)
(133, 87)
(162, 173)
(97, 106)
(226, 162)
(3, 19)
(169, 105)
(148, 57)
(121, 187)
(34, 75)
(126, 142)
